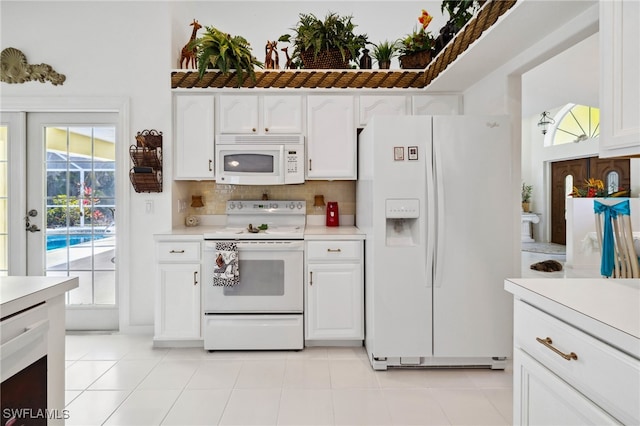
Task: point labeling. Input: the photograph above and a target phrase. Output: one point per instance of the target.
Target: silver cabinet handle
(334, 250)
(210, 164)
(310, 277)
(310, 164)
(195, 277)
(176, 251)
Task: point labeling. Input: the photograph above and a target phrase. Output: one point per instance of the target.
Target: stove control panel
(266, 207)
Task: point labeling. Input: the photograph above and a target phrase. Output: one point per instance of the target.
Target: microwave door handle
(283, 171)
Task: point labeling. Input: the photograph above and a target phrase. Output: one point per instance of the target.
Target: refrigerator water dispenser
(402, 222)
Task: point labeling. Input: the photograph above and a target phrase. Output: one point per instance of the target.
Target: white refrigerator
(437, 199)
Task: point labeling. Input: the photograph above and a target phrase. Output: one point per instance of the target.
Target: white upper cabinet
(436, 105)
(331, 138)
(250, 114)
(371, 105)
(620, 78)
(194, 134)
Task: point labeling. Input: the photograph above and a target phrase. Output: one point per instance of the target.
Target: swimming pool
(60, 241)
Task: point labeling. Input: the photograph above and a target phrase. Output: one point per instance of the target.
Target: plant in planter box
(526, 196)
(384, 51)
(219, 50)
(328, 43)
(416, 48)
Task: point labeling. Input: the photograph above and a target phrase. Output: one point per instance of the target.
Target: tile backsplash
(215, 195)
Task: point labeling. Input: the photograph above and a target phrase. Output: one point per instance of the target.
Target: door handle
(28, 225)
(549, 344)
(210, 163)
(195, 277)
(310, 277)
(310, 164)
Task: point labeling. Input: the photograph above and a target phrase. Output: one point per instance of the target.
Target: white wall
(126, 49)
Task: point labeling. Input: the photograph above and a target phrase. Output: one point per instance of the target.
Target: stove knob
(232, 206)
(240, 206)
(273, 205)
(292, 206)
(299, 206)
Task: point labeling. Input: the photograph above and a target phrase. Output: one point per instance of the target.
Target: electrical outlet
(182, 206)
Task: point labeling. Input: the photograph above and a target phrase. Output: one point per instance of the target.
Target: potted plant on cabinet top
(383, 52)
(329, 44)
(460, 12)
(526, 197)
(416, 48)
(219, 50)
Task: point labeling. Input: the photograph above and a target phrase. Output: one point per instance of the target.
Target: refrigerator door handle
(431, 221)
(440, 216)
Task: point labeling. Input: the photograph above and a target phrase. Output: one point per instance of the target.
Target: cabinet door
(178, 313)
(381, 105)
(542, 398)
(436, 105)
(620, 78)
(334, 302)
(282, 114)
(238, 114)
(194, 130)
(331, 143)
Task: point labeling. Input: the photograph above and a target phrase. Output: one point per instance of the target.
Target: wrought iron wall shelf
(146, 155)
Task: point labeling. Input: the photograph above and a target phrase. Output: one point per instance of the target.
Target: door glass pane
(4, 202)
(80, 200)
(259, 278)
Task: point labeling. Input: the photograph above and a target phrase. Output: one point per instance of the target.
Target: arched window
(568, 185)
(576, 123)
(613, 182)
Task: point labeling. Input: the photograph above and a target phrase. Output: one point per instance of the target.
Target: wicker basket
(416, 60)
(325, 59)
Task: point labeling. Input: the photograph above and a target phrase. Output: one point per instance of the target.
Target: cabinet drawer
(602, 373)
(333, 250)
(178, 251)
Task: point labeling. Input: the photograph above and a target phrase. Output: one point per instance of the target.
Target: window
(576, 123)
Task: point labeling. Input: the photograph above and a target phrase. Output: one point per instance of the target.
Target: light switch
(148, 208)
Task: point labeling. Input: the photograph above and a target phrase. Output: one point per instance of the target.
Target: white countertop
(18, 293)
(333, 233)
(605, 308)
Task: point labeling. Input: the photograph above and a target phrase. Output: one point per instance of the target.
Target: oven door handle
(271, 245)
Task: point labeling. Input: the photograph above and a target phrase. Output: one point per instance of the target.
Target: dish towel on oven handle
(225, 270)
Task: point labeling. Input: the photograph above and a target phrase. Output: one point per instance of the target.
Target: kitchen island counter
(598, 306)
(33, 328)
(19, 293)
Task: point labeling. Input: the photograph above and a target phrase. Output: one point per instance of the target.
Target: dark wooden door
(600, 168)
(581, 170)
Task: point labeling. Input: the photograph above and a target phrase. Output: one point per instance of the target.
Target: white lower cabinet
(565, 376)
(545, 399)
(178, 313)
(334, 296)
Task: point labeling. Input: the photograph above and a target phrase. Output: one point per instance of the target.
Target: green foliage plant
(385, 50)
(219, 50)
(316, 35)
(460, 11)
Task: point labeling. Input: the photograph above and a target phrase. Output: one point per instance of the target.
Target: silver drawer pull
(547, 342)
(176, 251)
(334, 250)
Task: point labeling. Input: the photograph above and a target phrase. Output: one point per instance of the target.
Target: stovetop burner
(280, 220)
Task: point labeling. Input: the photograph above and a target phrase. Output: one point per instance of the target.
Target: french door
(68, 212)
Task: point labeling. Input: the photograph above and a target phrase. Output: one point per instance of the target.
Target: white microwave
(259, 159)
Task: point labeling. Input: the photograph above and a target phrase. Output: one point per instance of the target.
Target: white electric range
(263, 309)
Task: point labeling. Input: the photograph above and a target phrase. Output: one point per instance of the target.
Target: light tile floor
(118, 379)
(122, 380)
